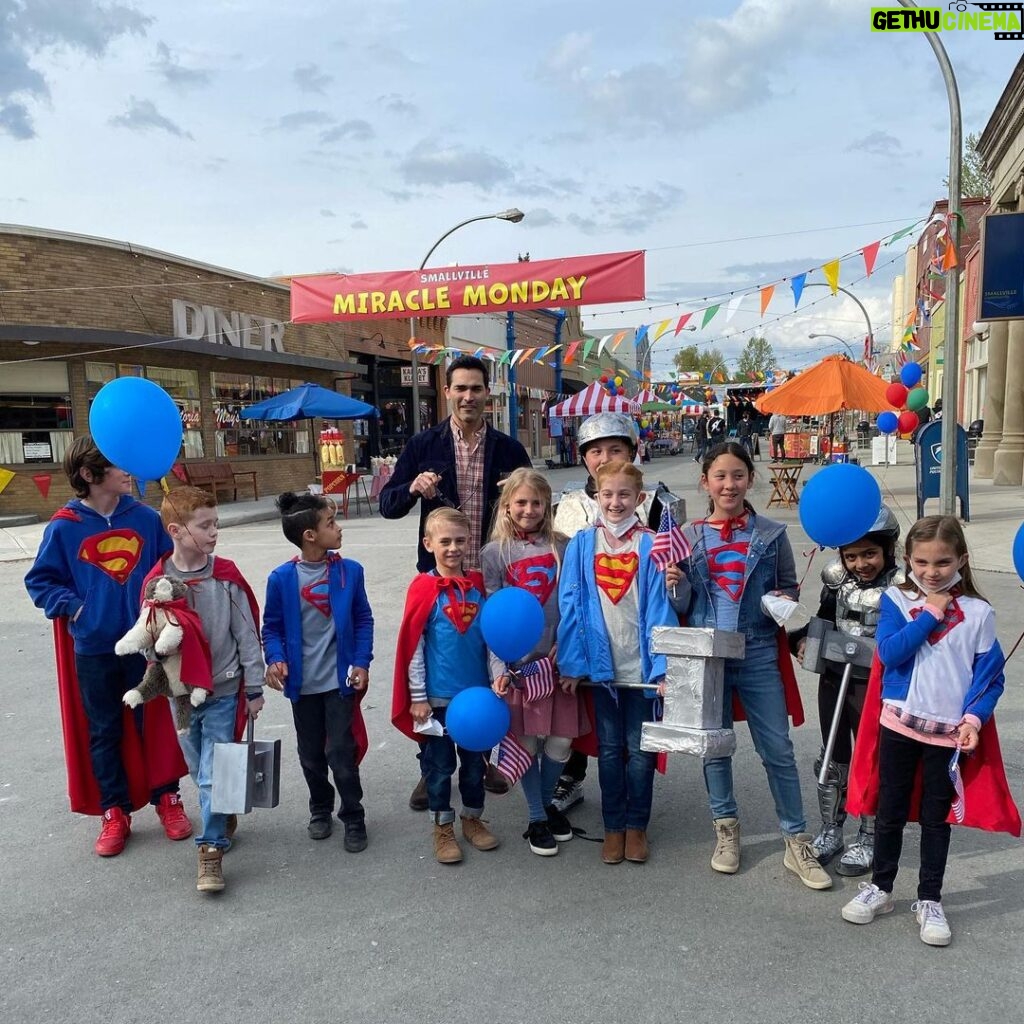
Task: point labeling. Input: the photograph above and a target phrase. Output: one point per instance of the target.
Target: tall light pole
(645, 355)
(951, 341)
(863, 309)
(513, 215)
(835, 337)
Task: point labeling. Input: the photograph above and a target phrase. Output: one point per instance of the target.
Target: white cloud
(169, 66)
(431, 163)
(142, 115)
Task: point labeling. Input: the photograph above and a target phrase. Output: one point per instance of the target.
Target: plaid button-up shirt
(469, 473)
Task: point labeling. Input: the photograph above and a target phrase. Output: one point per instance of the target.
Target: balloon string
(809, 555)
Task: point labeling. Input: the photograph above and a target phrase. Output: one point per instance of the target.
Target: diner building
(78, 311)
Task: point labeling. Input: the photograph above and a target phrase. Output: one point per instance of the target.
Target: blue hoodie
(96, 564)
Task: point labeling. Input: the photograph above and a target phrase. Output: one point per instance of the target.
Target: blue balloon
(477, 718)
(512, 622)
(839, 504)
(136, 425)
(1018, 551)
(910, 375)
(887, 422)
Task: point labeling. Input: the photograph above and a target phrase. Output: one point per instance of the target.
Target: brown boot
(478, 835)
(613, 850)
(211, 874)
(446, 846)
(418, 800)
(637, 851)
(231, 826)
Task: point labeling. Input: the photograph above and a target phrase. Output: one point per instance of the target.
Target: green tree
(694, 359)
(757, 357)
(974, 177)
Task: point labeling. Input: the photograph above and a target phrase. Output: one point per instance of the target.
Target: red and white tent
(646, 396)
(592, 399)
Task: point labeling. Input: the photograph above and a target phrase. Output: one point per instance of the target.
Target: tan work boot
(478, 834)
(211, 874)
(726, 857)
(613, 849)
(446, 846)
(637, 850)
(801, 861)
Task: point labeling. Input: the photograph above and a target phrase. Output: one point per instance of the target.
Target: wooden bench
(215, 475)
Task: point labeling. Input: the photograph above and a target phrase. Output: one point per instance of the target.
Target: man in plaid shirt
(458, 463)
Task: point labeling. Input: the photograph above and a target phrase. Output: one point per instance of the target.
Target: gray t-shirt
(319, 638)
(230, 631)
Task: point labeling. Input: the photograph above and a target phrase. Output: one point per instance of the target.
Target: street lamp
(512, 215)
(950, 353)
(647, 350)
(863, 309)
(835, 337)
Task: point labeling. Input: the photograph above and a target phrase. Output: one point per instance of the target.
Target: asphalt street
(306, 932)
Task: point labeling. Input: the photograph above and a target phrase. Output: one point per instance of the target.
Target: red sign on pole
(487, 288)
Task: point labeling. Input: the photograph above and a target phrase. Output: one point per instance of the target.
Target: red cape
(988, 802)
(419, 601)
(150, 760)
(225, 569)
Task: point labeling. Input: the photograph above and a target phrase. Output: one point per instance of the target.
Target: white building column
(984, 455)
(1008, 465)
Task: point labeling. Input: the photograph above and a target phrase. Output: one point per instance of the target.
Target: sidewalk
(996, 512)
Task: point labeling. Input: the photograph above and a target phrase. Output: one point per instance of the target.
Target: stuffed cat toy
(171, 636)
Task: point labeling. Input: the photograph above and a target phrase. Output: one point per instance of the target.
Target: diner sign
(486, 288)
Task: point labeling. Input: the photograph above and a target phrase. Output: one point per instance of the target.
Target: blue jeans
(439, 764)
(212, 722)
(626, 772)
(757, 680)
(103, 679)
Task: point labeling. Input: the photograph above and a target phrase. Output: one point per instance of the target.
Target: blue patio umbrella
(309, 401)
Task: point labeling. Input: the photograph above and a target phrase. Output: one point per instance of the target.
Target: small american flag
(538, 679)
(959, 805)
(513, 759)
(669, 544)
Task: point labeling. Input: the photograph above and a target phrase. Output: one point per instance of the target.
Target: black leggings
(849, 718)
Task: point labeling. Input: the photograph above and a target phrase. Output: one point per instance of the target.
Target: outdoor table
(784, 478)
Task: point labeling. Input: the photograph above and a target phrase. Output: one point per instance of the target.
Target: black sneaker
(542, 842)
(319, 828)
(558, 823)
(355, 836)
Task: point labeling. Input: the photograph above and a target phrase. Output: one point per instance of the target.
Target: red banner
(487, 288)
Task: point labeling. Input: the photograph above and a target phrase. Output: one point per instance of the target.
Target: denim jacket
(770, 566)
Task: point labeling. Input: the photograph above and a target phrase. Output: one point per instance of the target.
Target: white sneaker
(568, 793)
(932, 919)
(867, 904)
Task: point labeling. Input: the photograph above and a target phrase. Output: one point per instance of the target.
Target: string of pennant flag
(584, 349)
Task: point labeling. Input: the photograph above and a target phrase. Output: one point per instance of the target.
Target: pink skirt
(560, 714)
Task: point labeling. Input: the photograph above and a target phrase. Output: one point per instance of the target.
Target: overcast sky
(735, 142)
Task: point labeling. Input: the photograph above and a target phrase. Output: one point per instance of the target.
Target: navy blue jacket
(433, 451)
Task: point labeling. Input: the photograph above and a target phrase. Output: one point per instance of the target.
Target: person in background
(777, 432)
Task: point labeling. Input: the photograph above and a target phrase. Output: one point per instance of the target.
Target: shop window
(234, 436)
(34, 428)
(181, 385)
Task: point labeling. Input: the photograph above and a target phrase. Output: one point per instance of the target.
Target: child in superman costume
(88, 578)
(440, 653)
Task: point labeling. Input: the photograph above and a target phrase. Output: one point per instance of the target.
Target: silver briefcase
(246, 775)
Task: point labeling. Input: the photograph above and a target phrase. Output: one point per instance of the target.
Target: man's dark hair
(299, 513)
(81, 454)
(467, 363)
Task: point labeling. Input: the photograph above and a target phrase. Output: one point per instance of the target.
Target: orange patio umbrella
(832, 385)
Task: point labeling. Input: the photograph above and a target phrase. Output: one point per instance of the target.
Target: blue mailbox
(928, 459)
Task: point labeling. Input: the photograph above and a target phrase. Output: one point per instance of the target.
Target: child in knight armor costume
(850, 598)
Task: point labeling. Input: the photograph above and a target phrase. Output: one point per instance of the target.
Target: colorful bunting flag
(681, 322)
(661, 328)
(766, 296)
(870, 253)
(587, 347)
(797, 284)
(734, 304)
(6, 476)
(831, 272)
(618, 339)
(640, 335)
(709, 315)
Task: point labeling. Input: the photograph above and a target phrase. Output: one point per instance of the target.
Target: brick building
(76, 312)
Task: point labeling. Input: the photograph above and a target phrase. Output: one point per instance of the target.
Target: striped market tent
(594, 398)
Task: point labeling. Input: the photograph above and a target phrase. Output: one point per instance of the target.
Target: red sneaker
(173, 817)
(114, 833)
